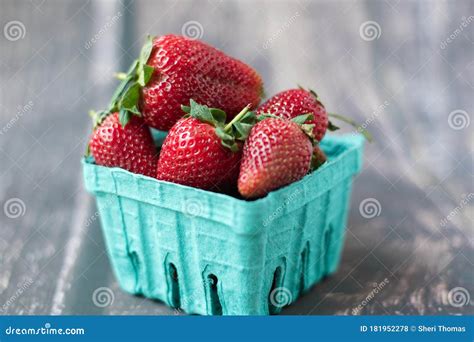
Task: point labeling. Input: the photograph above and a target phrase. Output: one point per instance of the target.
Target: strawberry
(173, 69)
(291, 103)
(129, 147)
(276, 153)
(318, 158)
(201, 151)
(294, 102)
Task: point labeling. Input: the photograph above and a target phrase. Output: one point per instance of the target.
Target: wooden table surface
(405, 68)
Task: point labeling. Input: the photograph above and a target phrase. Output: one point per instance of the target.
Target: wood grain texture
(404, 85)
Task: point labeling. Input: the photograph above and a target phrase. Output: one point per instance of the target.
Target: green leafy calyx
(126, 96)
(307, 129)
(300, 120)
(230, 133)
(332, 127)
(98, 117)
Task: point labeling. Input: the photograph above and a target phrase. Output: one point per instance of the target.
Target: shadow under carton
(213, 254)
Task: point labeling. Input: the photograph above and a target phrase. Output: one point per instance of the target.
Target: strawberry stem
(354, 124)
(237, 118)
(120, 75)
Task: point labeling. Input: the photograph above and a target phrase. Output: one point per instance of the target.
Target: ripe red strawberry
(190, 69)
(173, 69)
(291, 103)
(201, 151)
(276, 153)
(130, 147)
(294, 102)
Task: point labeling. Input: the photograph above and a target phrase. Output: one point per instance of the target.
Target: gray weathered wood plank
(404, 85)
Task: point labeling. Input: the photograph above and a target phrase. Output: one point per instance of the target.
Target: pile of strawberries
(219, 138)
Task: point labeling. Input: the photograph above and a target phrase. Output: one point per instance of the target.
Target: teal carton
(213, 254)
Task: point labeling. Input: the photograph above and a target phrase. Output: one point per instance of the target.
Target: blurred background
(403, 68)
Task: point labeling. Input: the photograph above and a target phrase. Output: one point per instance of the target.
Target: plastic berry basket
(211, 254)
